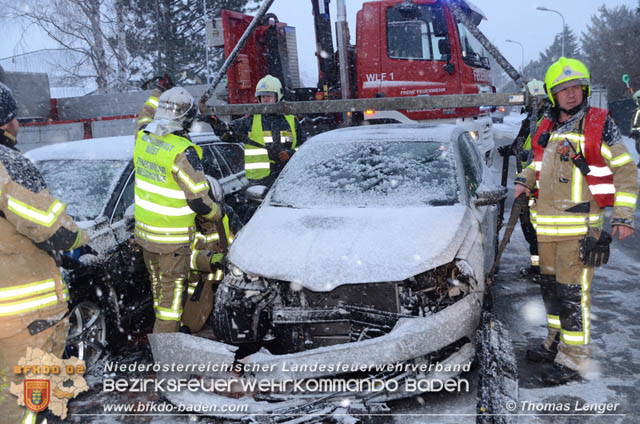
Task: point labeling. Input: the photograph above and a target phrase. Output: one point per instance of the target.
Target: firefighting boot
(547, 350)
(531, 273)
(558, 374)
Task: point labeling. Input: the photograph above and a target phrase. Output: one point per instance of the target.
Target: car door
(230, 159)
(473, 170)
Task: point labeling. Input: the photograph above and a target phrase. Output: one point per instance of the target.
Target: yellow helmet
(269, 84)
(564, 73)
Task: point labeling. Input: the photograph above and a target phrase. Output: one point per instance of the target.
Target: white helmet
(271, 85)
(636, 97)
(174, 104)
(536, 88)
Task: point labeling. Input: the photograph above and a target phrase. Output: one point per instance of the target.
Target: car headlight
(235, 271)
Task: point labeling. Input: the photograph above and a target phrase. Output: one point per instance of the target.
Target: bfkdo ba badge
(36, 394)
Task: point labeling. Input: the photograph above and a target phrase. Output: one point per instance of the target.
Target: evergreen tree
(169, 36)
(611, 49)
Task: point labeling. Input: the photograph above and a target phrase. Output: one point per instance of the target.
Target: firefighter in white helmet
(269, 140)
(580, 166)
(635, 123)
(170, 191)
(521, 149)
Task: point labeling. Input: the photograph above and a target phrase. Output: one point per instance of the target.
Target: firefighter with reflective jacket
(635, 124)
(208, 249)
(170, 191)
(580, 166)
(33, 296)
(269, 140)
(521, 149)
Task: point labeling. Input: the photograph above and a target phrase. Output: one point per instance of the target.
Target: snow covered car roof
(320, 227)
(104, 148)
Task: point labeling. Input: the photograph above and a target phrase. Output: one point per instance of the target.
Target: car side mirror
(256, 193)
(129, 213)
(489, 195)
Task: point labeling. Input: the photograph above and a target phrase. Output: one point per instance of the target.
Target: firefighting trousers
(566, 286)
(14, 347)
(197, 309)
(167, 273)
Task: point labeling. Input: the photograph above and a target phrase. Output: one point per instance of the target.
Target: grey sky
(507, 19)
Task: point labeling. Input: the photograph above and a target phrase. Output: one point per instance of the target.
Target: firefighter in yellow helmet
(580, 166)
(269, 140)
(33, 297)
(635, 123)
(170, 191)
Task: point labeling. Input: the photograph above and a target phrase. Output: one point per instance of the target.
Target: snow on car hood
(322, 249)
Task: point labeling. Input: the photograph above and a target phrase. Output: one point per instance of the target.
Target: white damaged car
(371, 248)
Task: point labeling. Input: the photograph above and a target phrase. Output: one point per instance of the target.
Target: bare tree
(76, 25)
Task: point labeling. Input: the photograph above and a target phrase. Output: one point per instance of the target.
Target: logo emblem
(36, 394)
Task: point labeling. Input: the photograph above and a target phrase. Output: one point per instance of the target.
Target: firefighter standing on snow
(170, 191)
(269, 140)
(524, 153)
(34, 228)
(580, 166)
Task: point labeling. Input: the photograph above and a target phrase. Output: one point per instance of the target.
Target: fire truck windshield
(473, 53)
(416, 32)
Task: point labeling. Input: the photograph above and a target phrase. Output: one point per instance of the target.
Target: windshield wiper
(281, 205)
(440, 202)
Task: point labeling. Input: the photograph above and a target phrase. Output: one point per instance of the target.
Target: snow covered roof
(106, 148)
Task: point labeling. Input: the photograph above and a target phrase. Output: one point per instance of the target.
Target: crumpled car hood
(322, 249)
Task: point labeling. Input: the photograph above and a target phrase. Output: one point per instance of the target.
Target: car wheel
(498, 381)
(87, 333)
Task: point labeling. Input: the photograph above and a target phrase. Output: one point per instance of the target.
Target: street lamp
(522, 48)
(544, 9)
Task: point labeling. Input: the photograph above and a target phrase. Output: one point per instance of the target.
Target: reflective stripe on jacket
(207, 249)
(600, 178)
(257, 164)
(161, 210)
(567, 202)
(29, 218)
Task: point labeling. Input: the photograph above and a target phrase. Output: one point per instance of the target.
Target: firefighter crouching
(580, 166)
(34, 228)
(208, 249)
(170, 191)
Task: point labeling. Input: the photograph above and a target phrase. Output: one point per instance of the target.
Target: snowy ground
(615, 333)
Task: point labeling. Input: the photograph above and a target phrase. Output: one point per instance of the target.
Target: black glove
(219, 127)
(165, 82)
(505, 150)
(595, 252)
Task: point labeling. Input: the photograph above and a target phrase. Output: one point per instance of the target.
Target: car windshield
(393, 173)
(85, 185)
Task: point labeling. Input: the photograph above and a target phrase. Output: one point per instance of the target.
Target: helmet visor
(173, 110)
(570, 83)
